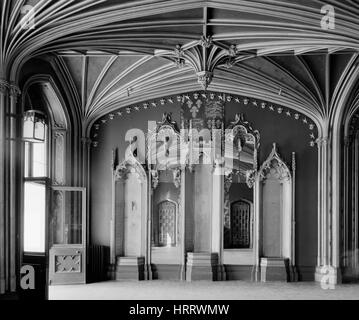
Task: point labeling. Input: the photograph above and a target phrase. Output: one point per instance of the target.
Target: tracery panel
(241, 224)
(167, 224)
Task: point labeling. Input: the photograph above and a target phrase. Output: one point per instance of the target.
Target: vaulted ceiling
(115, 53)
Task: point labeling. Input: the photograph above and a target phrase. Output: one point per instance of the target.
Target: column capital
(59, 133)
(322, 142)
(86, 141)
(14, 91)
(347, 141)
(4, 86)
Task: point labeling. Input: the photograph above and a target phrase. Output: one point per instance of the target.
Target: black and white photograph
(185, 151)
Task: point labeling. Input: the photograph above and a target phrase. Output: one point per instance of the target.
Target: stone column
(217, 218)
(4, 88)
(14, 159)
(86, 149)
(326, 272)
(355, 207)
(149, 226)
(346, 201)
(182, 207)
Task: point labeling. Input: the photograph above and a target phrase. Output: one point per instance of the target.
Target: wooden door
(67, 236)
(167, 224)
(241, 225)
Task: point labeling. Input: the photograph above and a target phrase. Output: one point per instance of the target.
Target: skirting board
(306, 273)
(233, 272)
(238, 272)
(167, 272)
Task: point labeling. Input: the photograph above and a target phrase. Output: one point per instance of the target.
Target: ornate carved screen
(241, 225)
(167, 224)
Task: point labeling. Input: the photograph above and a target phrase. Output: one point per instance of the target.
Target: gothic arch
(282, 198)
(130, 222)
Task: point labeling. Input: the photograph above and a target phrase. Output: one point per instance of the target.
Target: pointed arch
(276, 166)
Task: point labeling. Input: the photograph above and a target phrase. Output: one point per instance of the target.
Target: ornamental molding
(57, 134)
(203, 56)
(4, 86)
(15, 91)
(251, 176)
(177, 177)
(9, 88)
(155, 178)
(322, 142)
(242, 101)
(204, 78)
(275, 166)
(228, 180)
(167, 123)
(240, 126)
(130, 166)
(168, 134)
(85, 141)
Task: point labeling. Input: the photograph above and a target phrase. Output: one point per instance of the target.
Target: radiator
(98, 263)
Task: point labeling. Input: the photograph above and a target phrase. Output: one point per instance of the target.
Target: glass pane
(28, 129)
(39, 160)
(39, 131)
(34, 217)
(27, 157)
(66, 220)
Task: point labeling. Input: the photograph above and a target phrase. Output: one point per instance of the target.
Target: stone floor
(202, 290)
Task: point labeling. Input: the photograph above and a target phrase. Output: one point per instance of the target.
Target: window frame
(27, 165)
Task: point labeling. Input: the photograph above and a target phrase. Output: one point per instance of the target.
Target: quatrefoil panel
(68, 264)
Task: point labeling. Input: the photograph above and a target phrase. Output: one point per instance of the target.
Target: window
(34, 217)
(240, 225)
(167, 224)
(35, 172)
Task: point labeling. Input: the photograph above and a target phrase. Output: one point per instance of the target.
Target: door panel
(67, 265)
(240, 224)
(67, 236)
(167, 224)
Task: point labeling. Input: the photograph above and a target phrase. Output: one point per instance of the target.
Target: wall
(290, 134)
(202, 208)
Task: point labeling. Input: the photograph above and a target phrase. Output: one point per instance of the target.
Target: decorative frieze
(193, 99)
